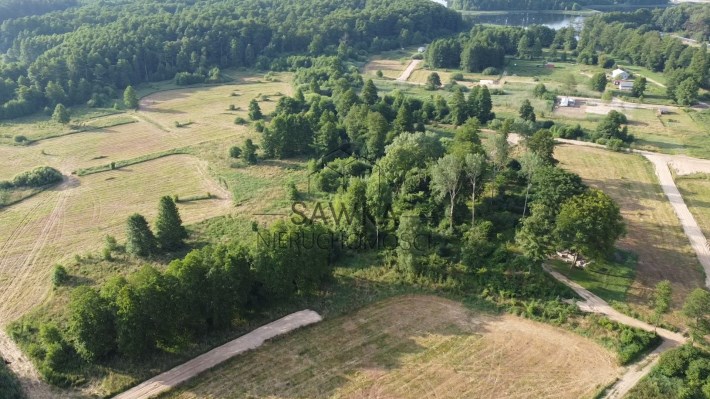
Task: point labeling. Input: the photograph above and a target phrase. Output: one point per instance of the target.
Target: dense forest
(87, 54)
(10, 9)
(543, 4)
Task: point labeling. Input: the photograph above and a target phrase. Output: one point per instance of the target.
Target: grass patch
(129, 162)
(610, 280)
(696, 193)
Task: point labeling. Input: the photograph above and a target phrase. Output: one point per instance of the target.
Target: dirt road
(636, 371)
(408, 72)
(206, 361)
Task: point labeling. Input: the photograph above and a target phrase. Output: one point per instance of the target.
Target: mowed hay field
(154, 130)
(414, 347)
(654, 232)
(55, 225)
(696, 193)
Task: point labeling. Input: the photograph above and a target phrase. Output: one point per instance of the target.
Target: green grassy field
(610, 280)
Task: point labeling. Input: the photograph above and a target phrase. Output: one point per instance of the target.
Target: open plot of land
(696, 193)
(654, 232)
(74, 217)
(415, 347)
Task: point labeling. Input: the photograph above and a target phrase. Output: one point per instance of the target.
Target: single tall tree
(369, 93)
(433, 81)
(140, 240)
(446, 181)
(130, 98)
(661, 299)
(169, 230)
(527, 112)
(249, 152)
(639, 87)
(255, 111)
(474, 166)
(598, 82)
(61, 114)
(590, 224)
(697, 309)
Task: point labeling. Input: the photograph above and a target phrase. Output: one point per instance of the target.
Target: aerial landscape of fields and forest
(354, 198)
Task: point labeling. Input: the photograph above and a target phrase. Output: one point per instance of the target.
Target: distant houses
(619, 74)
(567, 102)
(626, 85)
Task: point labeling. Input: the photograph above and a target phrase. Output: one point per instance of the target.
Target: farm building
(626, 85)
(567, 102)
(619, 74)
(421, 49)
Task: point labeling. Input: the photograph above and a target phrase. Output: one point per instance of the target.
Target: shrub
(379, 73)
(20, 139)
(59, 275)
(37, 177)
(490, 71)
(235, 152)
(240, 121)
(457, 76)
(292, 191)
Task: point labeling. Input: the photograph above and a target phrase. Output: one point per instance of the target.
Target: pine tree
(61, 114)
(168, 227)
(130, 99)
(369, 93)
(459, 112)
(485, 104)
(527, 112)
(255, 111)
(140, 241)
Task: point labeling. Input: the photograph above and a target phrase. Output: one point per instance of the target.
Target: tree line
(508, 5)
(486, 46)
(628, 38)
(88, 54)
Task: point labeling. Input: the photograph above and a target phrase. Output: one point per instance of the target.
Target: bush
(490, 71)
(59, 276)
(20, 139)
(186, 78)
(235, 152)
(37, 177)
(240, 121)
(292, 191)
(458, 76)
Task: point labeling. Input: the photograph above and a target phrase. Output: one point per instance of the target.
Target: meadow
(695, 190)
(414, 347)
(72, 219)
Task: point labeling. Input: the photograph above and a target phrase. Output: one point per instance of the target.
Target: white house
(421, 49)
(626, 85)
(619, 74)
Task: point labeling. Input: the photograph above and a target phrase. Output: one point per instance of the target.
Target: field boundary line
(180, 374)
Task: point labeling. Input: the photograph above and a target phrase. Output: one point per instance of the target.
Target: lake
(552, 20)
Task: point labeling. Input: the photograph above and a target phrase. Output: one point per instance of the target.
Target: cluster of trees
(689, 20)
(206, 291)
(334, 117)
(90, 53)
(169, 231)
(682, 372)
(686, 68)
(486, 46)
(38, 177)
(528, 5)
